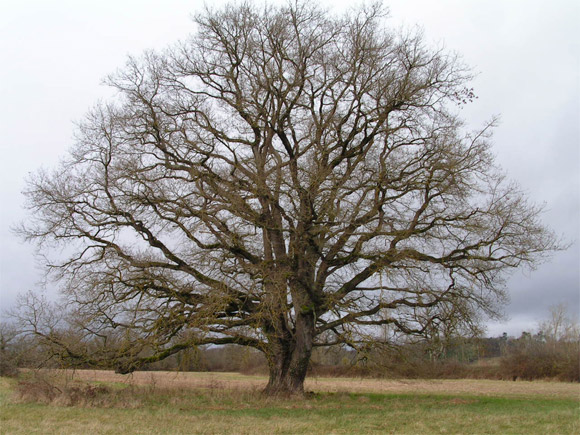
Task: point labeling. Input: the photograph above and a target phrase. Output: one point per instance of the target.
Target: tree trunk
(288, 360)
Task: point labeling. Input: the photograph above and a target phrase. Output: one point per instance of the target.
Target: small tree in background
(553, 352)
(560, 326)
(286, 178)
(9, 355)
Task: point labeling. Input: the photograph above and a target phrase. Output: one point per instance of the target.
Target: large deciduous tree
(286, 178)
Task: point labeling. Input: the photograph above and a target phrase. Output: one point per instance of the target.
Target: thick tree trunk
(288, 360)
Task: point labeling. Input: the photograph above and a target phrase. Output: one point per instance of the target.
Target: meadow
(102, 402)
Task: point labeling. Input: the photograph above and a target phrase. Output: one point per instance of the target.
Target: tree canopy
(285, 178)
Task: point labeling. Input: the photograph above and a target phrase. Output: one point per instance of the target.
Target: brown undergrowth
(73, 389)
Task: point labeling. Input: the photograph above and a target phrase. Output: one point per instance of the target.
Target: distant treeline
(528, 357)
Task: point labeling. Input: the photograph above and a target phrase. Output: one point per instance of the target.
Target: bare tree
(560, 326)
(286, 178)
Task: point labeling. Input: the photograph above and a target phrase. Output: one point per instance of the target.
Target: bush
(39, 387)
(8, 367)
(529, 360)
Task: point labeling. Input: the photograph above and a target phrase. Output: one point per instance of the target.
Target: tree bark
(288, 360)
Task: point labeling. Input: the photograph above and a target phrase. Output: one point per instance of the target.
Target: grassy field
(173, 403)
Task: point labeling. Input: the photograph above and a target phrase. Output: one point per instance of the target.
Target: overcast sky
(54, 54)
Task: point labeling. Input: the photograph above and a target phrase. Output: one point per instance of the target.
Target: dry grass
(87, 401)
(335, 385)
(452, 386)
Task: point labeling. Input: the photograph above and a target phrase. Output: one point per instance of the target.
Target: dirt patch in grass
(236, 381)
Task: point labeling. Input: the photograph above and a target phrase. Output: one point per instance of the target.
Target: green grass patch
(114, 408)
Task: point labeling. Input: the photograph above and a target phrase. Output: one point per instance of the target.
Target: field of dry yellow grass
(339, 385)
(89, 401)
